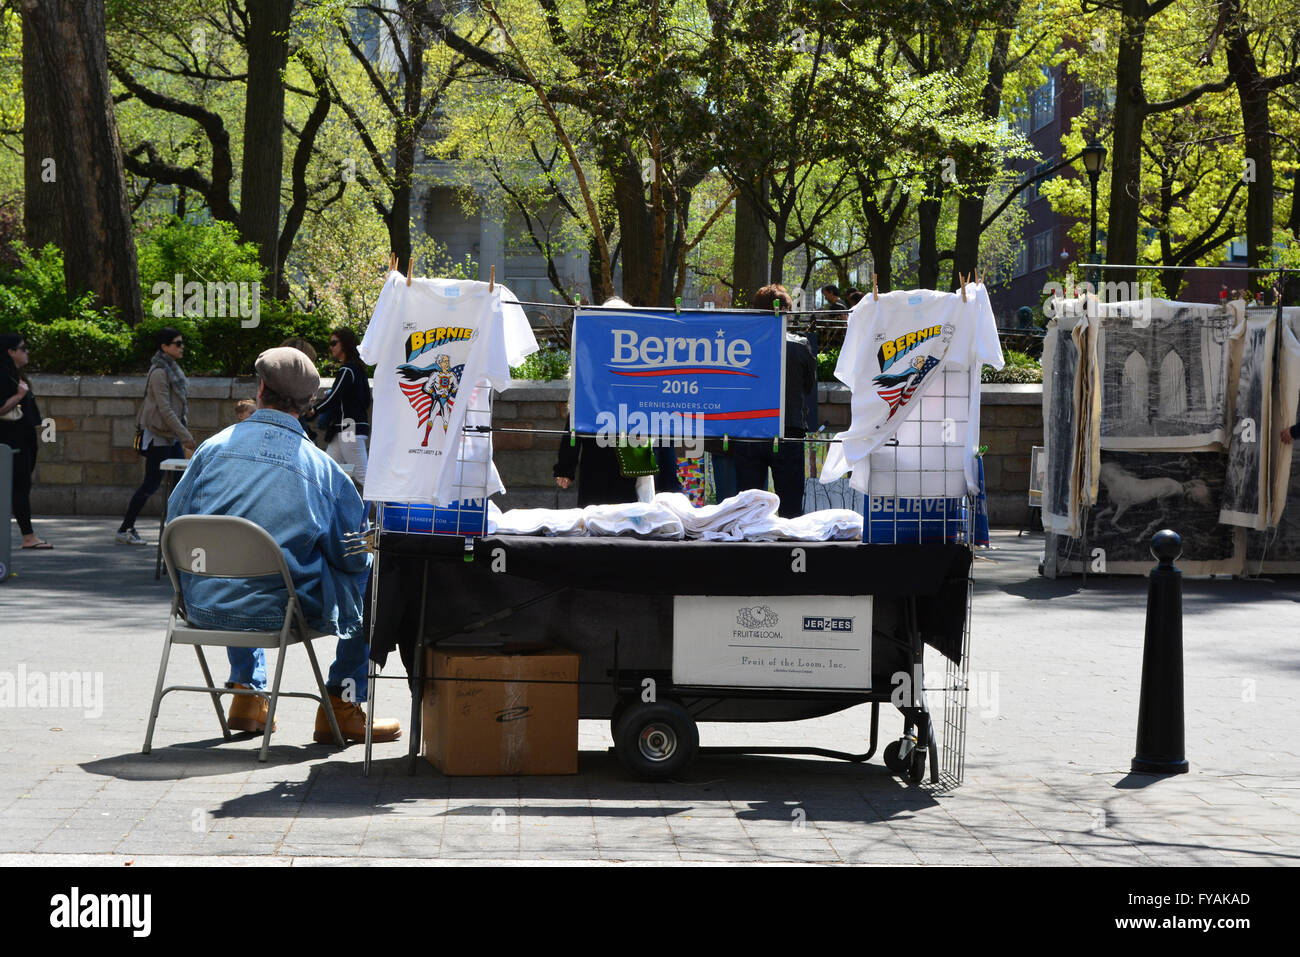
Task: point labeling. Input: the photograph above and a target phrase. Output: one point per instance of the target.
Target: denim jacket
(264, 469)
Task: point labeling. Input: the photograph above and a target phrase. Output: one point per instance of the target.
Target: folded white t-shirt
(828, 525)
(721, 522)
(558, 522)
(638, 519)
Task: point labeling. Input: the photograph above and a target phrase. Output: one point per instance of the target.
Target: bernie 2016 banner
(662, 374)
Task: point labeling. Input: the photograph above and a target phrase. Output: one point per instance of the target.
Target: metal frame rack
(1066, 554)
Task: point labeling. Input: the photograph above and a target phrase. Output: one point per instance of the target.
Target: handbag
(15, 414)
(634, 461)
(138, 442)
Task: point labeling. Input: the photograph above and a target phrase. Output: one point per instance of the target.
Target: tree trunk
(966, 247)
(882, 221)
(599, 293)
(780, 247)
(927, 215)
(1253, 96)
(970, 208)
(1126, 144)
(301, 191)
(781, 244)
(635, 225)
(407, 139)
(41, 224)
(749, 248)
(263, 162)
(1291, 288)
(88, 155)
(672, 242)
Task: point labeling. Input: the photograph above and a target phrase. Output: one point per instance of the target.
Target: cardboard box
(502, 723)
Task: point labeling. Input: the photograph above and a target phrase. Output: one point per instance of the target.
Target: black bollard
(1160, 741)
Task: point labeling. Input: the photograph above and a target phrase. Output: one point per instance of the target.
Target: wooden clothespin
(875, 291)
(410, 268)
(962, 279)
(392, 262)
(492, 278)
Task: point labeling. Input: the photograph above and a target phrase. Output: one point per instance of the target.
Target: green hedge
(68, 335)
(76, 347)
(1019, 368)
(544, 364)
(826, 362)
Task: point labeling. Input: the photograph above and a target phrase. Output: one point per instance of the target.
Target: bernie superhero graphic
(900, 386)
(431, 386)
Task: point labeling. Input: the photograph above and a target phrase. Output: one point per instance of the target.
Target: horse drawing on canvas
(1126, 490)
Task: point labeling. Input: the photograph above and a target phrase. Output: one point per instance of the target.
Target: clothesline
(588, 435)
(570, 306)
(1160, 268)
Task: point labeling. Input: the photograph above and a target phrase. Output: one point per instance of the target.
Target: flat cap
(288, 372)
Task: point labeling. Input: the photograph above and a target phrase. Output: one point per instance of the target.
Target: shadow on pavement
(202, 758)
(759, 788)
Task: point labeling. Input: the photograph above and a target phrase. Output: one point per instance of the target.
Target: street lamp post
(1094, 158)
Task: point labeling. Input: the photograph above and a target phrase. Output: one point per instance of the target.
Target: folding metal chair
(226, 546)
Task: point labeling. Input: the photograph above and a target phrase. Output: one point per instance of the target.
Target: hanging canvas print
(1140, 494)
(1164, 375)
(1246, 492)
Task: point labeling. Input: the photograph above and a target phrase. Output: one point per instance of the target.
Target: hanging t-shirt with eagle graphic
(895, 352)
(439, 347)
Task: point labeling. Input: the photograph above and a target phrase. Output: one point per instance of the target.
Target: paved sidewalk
(1051, 724)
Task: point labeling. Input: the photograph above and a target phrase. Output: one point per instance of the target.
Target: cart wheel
(893, 760)
(656, 741)
(916, 773)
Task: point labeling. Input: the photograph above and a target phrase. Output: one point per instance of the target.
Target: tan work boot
(352, 724)
(248, 712)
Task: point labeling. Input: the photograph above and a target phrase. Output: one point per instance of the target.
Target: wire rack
(956, 701)
(467, 515)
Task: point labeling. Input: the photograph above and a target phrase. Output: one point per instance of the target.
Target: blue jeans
(351, 661)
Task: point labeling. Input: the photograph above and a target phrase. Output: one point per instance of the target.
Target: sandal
(39, 546)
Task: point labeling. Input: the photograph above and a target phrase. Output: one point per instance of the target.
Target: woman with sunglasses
(19, 417)
(348, 400)
(163, 419)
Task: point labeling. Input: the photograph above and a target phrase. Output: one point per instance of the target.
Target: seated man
(265, 470)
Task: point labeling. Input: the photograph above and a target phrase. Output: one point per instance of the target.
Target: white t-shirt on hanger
(438, 346)
(912, 360)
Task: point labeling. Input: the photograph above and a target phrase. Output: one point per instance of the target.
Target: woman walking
(348, 401)
(19, 417)
(163, 419)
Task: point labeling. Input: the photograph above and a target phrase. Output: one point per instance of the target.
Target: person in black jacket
(753, 459)
(19, 418)
(345, 410)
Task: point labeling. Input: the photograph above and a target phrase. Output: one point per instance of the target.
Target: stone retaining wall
(86, 466)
